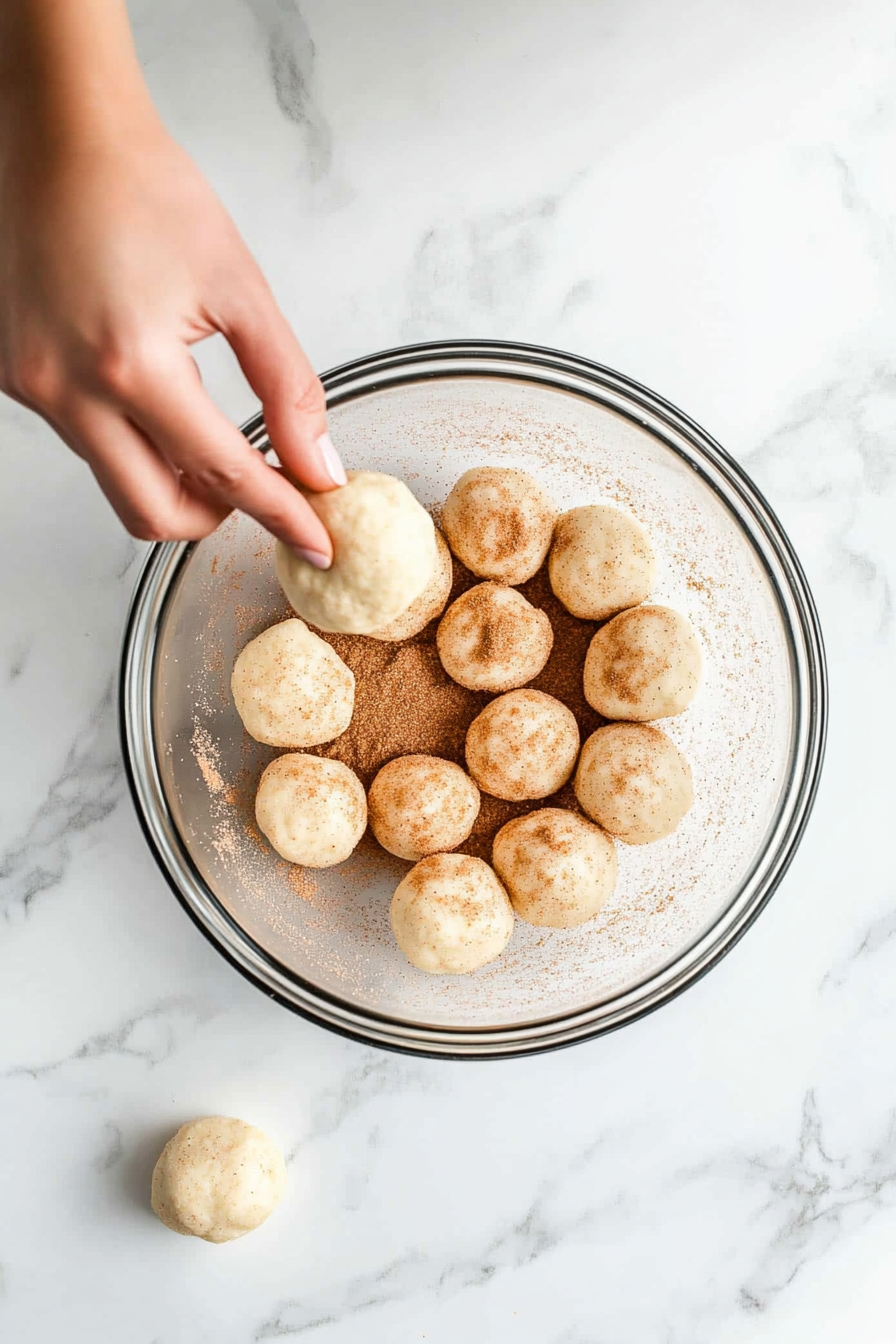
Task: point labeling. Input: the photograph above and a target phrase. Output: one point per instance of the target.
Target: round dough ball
(428, 605)
(492, 639)
(522, 745)
(601, 562)
(291, 689)
(451, 915)
(384, 555)
(558, 868)
(644, 664)
(633, 781)
(312, 810)
(217, 1179)
(421, 805)
(499, 522)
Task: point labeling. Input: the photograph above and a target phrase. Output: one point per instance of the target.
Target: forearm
(68, 70)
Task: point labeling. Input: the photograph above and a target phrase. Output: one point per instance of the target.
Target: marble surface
(703, 196)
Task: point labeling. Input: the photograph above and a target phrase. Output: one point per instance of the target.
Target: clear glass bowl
(320, 943)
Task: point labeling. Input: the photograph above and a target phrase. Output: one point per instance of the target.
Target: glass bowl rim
(578, 376)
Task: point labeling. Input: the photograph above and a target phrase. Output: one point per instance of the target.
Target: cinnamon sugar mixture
(406, 703)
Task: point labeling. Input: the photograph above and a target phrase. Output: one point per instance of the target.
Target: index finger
(217, 461)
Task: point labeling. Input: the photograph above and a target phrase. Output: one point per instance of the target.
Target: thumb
(295, 408)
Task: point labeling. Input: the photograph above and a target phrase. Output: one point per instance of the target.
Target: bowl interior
(330, 930)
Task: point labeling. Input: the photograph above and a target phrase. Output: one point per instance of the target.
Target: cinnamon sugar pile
(406, 703)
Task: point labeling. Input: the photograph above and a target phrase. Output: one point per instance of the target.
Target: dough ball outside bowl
(634, 782)
(499, 522)
(492, 639)
(601, 562)
(450, 915)
(312, 810)
(558, 868)
(421, 805)
(522, 745)
(384, 555)
(644, 664)
(291, 689)
(217, 1178)
(428, 605)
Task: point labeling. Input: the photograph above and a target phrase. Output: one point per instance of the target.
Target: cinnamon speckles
(601, 561)
(644, 664)
(422, 805)
(451, 915)
(492, 639)
(499, 523)
(523, 745)
(558, 868)
(634, 782)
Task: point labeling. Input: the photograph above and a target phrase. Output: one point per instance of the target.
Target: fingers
(287, 387)
(217, 463)
(151, 499)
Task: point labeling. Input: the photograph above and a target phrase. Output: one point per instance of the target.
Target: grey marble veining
(699, 195)
(88, 788)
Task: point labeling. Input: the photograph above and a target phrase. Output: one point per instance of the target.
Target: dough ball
(384, 555)
(633, 781)
(312, 810)
(499, 522)
(601, 562)
(522, 745)
(644, 664)
(557, 867)
(291, 689)
(421, 805)
(451, 915)
(428, 605)
(492, 639)
(217, 1179)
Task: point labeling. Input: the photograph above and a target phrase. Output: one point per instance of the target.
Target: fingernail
(315, 558)
(332, 461)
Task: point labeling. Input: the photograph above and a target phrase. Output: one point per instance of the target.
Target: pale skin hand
(115, 257)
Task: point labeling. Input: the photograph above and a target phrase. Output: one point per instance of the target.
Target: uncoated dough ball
(558, 868)
(312, 810)
(499, 522)
(217, 1178)
(633, 781)
(522, 745)
(384, 555)
(492, 639)
(428, 605)
(291, 689)
(644, 664)
(601, 562)
(451, 915)
(421, 805)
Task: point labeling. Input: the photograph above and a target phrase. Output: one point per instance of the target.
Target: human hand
(115, 257)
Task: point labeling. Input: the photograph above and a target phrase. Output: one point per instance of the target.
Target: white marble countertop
(703, 196)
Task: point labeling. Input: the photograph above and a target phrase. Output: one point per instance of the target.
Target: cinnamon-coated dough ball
(499, 522)
(218, 1179)
(451, 915)
(312, 810)
(601, 562)
(384, 555)
(421, 805)
(633, 781)
(428, 605)
(644, 664)
(558, 868)
(522, 745)
(492, 639)
(291, 689)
